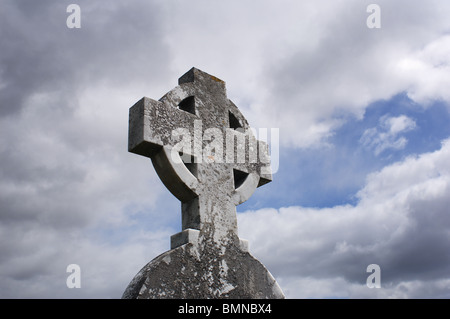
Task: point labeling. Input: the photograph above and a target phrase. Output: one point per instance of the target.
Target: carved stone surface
(204, 271)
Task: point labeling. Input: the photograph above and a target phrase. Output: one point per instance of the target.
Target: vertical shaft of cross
(212, 212)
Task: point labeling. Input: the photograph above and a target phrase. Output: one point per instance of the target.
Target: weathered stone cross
(210, 125)
(205, 153)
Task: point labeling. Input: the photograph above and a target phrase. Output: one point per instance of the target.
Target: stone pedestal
(199, 270)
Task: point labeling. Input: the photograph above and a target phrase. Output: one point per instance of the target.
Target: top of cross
(204, 152)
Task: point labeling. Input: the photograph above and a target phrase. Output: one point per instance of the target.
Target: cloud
(69, 190)
(386, 135)
(400, 222)
(70, 193)
(341, 67)
(428, 71)
(41, 55)
(36, 266)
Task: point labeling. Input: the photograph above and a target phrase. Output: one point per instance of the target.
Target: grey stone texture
(194, 135)
(203, 271)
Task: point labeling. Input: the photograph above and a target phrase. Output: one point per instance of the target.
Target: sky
(363, 150)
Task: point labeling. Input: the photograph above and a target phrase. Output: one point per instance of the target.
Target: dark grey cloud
(65, 174)
(422, 252)
(115, 43)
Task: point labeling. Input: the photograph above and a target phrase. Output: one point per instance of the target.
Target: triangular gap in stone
(190, 163)
(239, 178)
(188, 105)
(234, 122)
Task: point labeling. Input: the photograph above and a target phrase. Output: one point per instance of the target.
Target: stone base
(203, 271)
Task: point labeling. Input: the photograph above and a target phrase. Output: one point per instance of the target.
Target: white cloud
(401, 223)
(386, 135)
(340, 288)
(311, 90)
(427, 71)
